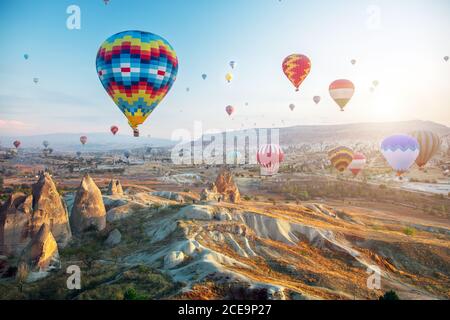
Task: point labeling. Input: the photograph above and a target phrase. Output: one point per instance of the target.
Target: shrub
(247, 198)
(389, 295)
(409, 231)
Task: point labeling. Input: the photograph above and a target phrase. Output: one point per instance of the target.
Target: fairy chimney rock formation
(227, 187)
(88, 209)
(41, 254)
(115, 188)
(22, 216)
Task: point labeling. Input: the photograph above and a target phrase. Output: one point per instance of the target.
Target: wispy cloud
(12, 124)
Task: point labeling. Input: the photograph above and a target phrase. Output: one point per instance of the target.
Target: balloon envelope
(114, 129)
(296, 67)
(400, 151)
(429, 144)
(232, 64)
(137, 69)
(341, 91)
(35, 80)
(229, 110)
(16, 144)
(357, 164)
(204, 76)
(269, 157)
(83, 140)
(292, 106)
(26, 56)
(353, 61)
(340, 157)
(316, 99)
(45, 143)
(229, 77)
(446, 58)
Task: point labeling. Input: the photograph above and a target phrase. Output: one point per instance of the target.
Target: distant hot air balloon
(446, 58)
(269, 157)
(353, 61)
(26, 56)
(16, 144)
(341, 91)
(296, 67)
(83, 140)
(429, 144)
(78, 154)
(188, 89)
(204, 76)
(127, 154)
(232, 64)
(292, 106)
(400, 151)
(50, 150)
(316, 99)
(375, 83)
(137, 69)
(340, 158)
(36, 80)
(45, 143)
(246, 104)
(229, 77)
(229, 110)
(114, 129)
(357, 164)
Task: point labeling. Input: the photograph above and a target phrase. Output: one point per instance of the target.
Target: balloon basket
(136, 132)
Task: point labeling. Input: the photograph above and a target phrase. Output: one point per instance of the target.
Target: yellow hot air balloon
(429, 143)
(340, 157)
(229, 77)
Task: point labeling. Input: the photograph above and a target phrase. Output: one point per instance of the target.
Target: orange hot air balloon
(229, 110)
(296, 67)
(114, 129)
(341, 91)
(16, 144)
(83, 140)
(340, 157)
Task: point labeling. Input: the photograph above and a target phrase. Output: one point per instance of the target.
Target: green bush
(409, 231)
(389, 295)
(247, 198)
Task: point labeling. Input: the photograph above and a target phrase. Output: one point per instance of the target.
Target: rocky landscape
(212, 244)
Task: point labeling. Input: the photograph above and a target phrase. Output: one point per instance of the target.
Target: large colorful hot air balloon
(83, 140)
(229, 77)
(296, 67)
(400, 151)
(429, 144)
(229, 110)
(16, 144)
(137, 69)
(292, 106)
(114, 129)
(341, 91)
(232, 64)
(340, 158)
(269, 157)
(357, 164)
(316, 99)
(45, 143)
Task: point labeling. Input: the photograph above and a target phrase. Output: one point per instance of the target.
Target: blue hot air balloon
(400, 152)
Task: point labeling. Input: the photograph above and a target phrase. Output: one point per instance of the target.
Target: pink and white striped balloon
(269, 157)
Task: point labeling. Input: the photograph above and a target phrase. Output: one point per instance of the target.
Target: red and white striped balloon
(357, 164)
(269, 157)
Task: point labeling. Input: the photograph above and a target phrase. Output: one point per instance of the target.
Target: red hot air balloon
(296, 67)
(229, 110)
(83, 140)
(357, 164)
(269, 157)
(16, 144)
(114, 129)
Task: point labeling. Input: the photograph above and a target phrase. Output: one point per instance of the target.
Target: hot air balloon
(36, 80)
(229, 77)
(188, 89)
(446, 58)
(45, 143)
(357, 164)
(83, 140)
(246, 104)
(127, 154)
(114, 129)
(353, 61)
(232, 64)
(429, 144)
(78, 154)
(316, 99)
(296, 67)
(341, 91)
(269, 157)
(292, 106)
(375, 83)
(204, 76)
(26, 56)
(16, 144)
(50, 150)
(229, 110)
(340, 157)
(137, 69)
(400, 151)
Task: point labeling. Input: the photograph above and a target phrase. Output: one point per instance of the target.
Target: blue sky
(403, 50)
